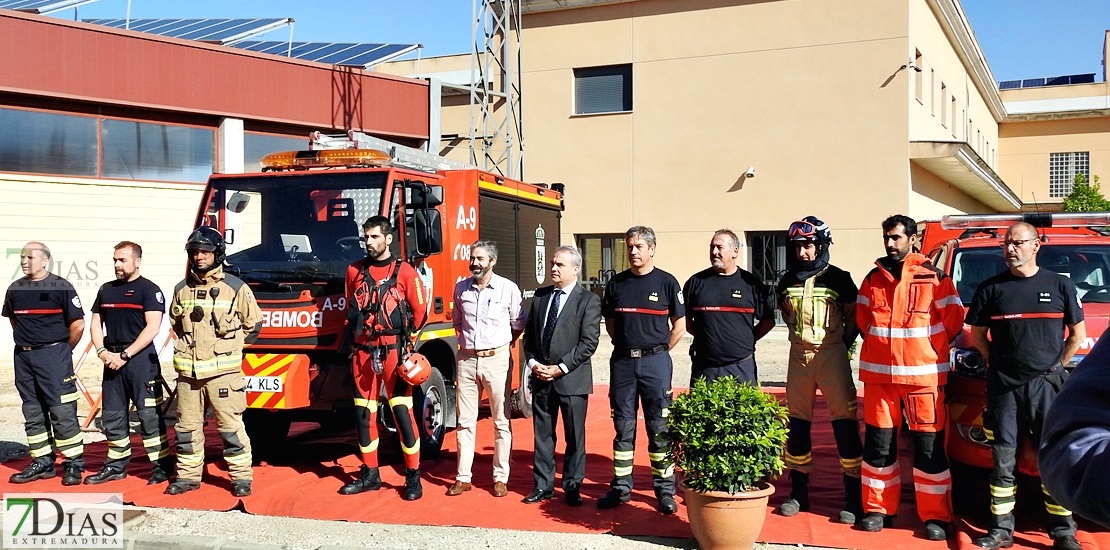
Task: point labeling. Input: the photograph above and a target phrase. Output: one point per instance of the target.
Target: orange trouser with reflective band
(882, 479)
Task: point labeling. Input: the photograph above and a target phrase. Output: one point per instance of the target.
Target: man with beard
(488, 317)
(818, 302)
(1025, 309)
(47, 322)
(213, 313)
(728, 310)
(645, 317)
(908, 312)
(387, 305)
(131, 309)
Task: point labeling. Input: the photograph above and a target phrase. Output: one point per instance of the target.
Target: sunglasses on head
(802, 229)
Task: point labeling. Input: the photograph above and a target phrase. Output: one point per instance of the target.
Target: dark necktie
(549, 326)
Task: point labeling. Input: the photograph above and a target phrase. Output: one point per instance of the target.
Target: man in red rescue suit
(818, 303)
(908, 312)
(387, 304)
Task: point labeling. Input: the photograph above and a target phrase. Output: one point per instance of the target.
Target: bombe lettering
(292, 318)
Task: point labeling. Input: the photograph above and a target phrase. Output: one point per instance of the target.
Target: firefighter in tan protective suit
(818, 303)
(213, 314)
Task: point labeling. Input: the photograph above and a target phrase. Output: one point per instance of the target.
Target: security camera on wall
(750, 173)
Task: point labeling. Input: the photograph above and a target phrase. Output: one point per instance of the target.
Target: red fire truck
(293, 229)
(968, 248)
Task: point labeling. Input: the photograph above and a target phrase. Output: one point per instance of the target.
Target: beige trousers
(473, 375)
(227, 395)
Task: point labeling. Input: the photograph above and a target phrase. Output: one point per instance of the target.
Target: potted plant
(728, 439)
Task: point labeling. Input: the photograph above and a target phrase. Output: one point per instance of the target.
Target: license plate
(264, 383)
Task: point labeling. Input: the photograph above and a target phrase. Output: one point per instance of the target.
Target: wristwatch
(124, 355)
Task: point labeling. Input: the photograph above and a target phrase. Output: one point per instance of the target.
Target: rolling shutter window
(603, 89)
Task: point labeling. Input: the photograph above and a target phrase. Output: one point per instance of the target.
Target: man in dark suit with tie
(563, 328)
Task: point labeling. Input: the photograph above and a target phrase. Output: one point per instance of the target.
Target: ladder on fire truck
(404, 157)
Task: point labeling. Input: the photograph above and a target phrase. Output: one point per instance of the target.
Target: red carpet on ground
(303, 483)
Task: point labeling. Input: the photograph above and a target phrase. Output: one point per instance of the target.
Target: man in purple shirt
(488, 317)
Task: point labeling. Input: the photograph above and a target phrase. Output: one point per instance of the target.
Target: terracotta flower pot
(722, 521)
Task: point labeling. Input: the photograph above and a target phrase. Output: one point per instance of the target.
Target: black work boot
(413, 489)
(72, 474)
(874, 522)
(37, 470)
(105, 475)
(799, 495)
(853, 501)
(161, 472)
(368, 480)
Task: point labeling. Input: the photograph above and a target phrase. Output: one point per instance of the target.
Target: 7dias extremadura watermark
(63, 520)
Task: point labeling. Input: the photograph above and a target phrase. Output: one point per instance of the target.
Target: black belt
(114, 348)
(643, 352)
(35, 347)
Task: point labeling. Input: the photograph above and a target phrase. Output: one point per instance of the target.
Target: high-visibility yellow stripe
(411, 450)
(405, 400)
(37, 438)
(41, 451)
(622, 471)
(73, 452)
(189, 303)
(433, 334)
(1002, 509)
(75, 440)
(663, 472)
(69, 397)
(372, 447)
(1056, 509)
(117, 454)
(517, 193)
(622, 455)
(239, 459)
(154, 441)
(190, 459)
(207, 366)
(656, 457)
(850, 463)
(1003, 492)
(163, 453)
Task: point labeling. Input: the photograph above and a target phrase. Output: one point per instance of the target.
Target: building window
(918, 81)
(603, 89)
(47, 143)
(943, 105)
(256, 146)
(1062, 169)
(161, 152)
(602, 257)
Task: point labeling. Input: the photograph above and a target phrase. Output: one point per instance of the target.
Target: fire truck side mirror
(427, 226)
(418, 195)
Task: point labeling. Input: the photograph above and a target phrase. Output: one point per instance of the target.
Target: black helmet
(209, 240)
(810, 228)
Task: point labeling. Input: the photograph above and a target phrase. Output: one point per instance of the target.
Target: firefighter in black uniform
(47, 322)
(637, 306)
(1026, 310)
(729, 309)
(131, 309)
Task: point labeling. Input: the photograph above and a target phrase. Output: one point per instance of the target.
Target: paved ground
(168, 528)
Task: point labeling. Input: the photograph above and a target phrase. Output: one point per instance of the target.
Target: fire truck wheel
(267, 430)
(520, 402)
(430, 400)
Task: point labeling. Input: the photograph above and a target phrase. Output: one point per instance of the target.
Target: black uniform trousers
(645, 381)
(1010, 414)
(48, 388)
(138, 382)
(744, 370)
(547, 404)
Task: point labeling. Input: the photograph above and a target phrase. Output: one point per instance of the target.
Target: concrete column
(229, 146)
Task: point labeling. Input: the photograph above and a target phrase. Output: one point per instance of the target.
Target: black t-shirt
(42, 309)
(122, 306)
(641, 307)
(1026, 317)
(723, 311)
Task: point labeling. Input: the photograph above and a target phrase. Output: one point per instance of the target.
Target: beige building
(652, 111)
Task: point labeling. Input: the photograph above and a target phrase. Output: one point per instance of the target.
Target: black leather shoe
(574, 497)
(874, 522)
(1066, 542)
(368, 480)
(160, 473)
(72, 475)
(936, 530)
(105, 475)
(612, 499)
(182, 486)
(537, 495)
(667, 505)
(995, 539)
(413, 489)
(37, 470)
(241, 488)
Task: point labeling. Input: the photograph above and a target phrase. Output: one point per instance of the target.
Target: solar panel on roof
(42, 6)
(334, 53)
(223, 31)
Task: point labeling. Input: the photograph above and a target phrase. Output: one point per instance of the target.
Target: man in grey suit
(564, 324)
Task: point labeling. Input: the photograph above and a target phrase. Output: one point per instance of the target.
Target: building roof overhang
(958, 164)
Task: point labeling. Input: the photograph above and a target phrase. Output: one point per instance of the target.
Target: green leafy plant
(727, 436)
(1085, 197)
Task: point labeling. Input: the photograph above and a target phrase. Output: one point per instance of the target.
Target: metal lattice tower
(496, 130)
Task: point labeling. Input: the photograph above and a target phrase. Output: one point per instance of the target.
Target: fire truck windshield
(289, 228)
(1088, 266)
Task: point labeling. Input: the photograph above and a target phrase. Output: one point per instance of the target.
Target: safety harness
(379, 309)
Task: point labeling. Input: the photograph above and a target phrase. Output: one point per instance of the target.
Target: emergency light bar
(303, 160)
(1036, 219)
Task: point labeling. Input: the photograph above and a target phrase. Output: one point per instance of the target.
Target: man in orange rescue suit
(386, 305)
(213, 314)
(908, 312)
(818, 302)
(126, 317)
(47, 322)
